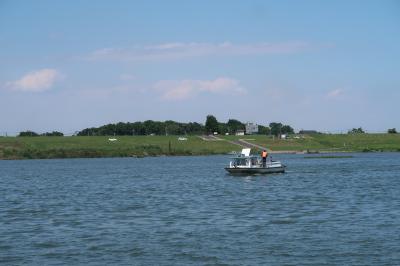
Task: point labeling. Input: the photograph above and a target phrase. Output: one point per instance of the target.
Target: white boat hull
(255, 170)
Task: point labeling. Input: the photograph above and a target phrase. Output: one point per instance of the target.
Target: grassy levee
(125, 146)
(276, 144)
(360, 142)
(328, 142)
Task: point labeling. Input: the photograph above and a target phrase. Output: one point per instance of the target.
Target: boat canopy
(240, 156)
(245, 154)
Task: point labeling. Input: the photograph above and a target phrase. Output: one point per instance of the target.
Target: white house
(239, 133)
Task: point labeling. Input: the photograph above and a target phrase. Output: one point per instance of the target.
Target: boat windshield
(240, 161)
(246, 161)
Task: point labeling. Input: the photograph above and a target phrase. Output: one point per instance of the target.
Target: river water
(187, 210)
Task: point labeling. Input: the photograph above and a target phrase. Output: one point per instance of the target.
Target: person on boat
(264, 155)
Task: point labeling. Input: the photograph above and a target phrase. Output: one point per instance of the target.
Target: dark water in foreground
(186, 210)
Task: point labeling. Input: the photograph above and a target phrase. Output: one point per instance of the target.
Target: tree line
(29, 133)
(148, 127)
(169, 127)
(232, 126)
(361, 131)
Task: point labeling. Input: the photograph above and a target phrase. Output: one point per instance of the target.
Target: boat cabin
(245, 160)
(251, 161)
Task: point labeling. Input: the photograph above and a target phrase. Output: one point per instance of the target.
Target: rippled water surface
(186, 210)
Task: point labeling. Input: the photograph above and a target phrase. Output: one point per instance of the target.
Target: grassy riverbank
(125, 146)
(85, 147)
(328, 142)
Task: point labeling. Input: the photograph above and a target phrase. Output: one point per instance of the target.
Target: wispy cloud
(184, 89)
(36, 81)
(334, 93)
(178, 50)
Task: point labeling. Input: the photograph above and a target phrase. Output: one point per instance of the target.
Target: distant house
(251, 128)
(239, 132)
(308, 132)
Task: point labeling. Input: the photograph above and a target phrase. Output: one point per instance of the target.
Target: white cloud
(184, 89)
(177, 50)
(36, 81)
(334, 93)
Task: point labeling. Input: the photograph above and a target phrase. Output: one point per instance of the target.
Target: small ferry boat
(245, 163)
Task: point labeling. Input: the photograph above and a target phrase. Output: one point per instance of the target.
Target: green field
(81, 147)
(125, 146)
(328, 142)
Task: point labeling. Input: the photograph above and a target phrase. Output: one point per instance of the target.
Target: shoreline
(189, 155)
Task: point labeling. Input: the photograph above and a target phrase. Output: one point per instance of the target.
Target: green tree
(122, 129)
(276, 128)
(53, 134)
(263, 130)
(356, 131)
(28, 133)
(392, 131)
(173, 128)
(286, 129)
(154, 127)
(234, 125)
(222, 128)
(194, 128)
(211, 124)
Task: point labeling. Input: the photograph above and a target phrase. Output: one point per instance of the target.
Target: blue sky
(330, 66)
